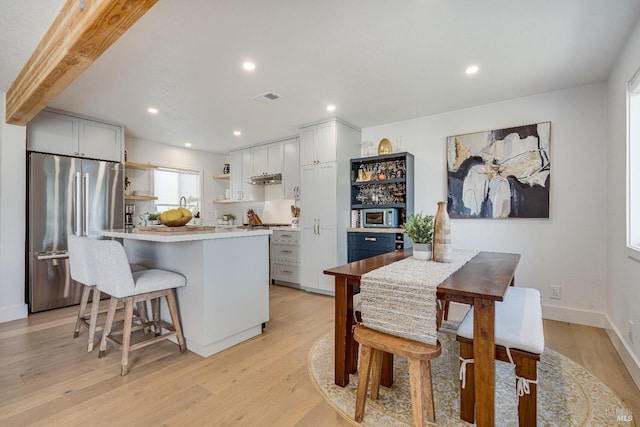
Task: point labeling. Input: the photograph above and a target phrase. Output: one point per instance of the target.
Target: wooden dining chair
(114, 277)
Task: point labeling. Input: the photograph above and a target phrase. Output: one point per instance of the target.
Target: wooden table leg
(484, 360)
(344, 342)
(387, 370)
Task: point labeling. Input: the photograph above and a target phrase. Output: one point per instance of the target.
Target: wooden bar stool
(372, 346)
(82, 271)
(115, 278)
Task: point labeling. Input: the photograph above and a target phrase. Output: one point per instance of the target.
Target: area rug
(568, 395)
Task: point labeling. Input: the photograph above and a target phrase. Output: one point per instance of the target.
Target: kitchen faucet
(180, 202)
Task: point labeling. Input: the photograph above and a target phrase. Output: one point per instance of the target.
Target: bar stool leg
(83, 306)
(126, 335)
(95, 306)
(111, 314)
(175, 319)
(155, 313)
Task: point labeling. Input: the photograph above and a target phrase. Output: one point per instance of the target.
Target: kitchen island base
(226, 299)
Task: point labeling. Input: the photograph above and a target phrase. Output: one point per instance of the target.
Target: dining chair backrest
(80, 262)
(113, 273)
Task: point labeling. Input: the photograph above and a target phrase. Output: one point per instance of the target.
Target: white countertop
(181, 236)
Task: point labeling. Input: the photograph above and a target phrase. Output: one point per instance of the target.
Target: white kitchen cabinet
(62, 133)
(318, 224)
(325, 200)
(241, 165)
(291, 168)
(285, 256)
(318, 143)
(266, 159)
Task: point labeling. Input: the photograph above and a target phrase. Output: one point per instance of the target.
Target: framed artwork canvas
(503, 173)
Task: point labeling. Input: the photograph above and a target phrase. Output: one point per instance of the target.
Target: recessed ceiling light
(331, 107)
(237, 133)
(249, 66)
(187, 144)
(472, 69)
(152, 110)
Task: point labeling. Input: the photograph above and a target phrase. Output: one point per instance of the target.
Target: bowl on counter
(177, 222)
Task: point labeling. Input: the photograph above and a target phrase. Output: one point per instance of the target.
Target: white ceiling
(378, 61)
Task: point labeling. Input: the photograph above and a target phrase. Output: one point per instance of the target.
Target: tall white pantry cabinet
(326, 149)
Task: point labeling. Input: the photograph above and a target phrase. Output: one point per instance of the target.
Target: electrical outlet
(556, 292)
(630, 331)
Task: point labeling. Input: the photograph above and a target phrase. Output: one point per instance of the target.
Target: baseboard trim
(628, 359)
(571, 315)
(13, 312)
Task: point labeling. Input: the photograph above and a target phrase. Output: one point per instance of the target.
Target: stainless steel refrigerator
(65, 195)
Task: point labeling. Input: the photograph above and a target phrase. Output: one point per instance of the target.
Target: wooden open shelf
(134, 165)
(132, 197)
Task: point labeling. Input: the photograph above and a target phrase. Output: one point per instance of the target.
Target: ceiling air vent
(267, 97)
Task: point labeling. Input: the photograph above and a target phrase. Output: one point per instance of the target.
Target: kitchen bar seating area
(103, 265)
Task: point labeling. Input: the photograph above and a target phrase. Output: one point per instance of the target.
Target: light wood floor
(47, 378)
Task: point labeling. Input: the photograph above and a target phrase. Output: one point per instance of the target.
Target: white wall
(623, 273)
(209, 164)
(567, 250)
(12, 218)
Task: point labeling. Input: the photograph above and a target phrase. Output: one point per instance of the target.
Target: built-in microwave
(384, 218)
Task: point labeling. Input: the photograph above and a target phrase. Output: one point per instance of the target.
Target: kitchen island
(226, 300)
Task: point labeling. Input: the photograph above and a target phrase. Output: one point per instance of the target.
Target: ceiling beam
(74, 41)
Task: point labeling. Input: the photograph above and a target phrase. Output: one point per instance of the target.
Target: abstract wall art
(502, 173)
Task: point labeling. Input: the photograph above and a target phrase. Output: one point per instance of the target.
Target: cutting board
(181, 229)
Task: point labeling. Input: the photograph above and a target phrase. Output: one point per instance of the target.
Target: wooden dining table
(480, 282)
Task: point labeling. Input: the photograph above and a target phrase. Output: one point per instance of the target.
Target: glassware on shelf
(365, 148)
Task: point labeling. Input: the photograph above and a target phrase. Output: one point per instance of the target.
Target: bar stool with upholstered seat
(115, 278)
(81, 270)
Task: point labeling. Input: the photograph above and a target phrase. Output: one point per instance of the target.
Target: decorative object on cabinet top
(385, 147)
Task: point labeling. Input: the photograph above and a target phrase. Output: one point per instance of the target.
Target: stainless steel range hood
(267, 179)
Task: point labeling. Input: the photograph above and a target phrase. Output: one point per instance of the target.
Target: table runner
(400, 298)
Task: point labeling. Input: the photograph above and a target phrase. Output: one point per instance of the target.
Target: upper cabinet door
(51, 132)
(58, 133)
(291, 168)
(318, 143)
(259, 160)
(326, 142)
(100, 140)
(274, 158)
(308, 146)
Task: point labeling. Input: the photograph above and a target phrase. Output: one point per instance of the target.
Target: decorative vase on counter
(442, 235)
(422, 251)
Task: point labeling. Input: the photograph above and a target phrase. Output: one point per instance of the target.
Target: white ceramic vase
(422, 251)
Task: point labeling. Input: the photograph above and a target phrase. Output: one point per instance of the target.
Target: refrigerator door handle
(86, 204)
(77, 204)
(52, 255)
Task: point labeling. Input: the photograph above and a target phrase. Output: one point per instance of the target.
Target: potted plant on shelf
(419, 228)
(229, 218)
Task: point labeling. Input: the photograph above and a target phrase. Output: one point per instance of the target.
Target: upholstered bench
(519, 339)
